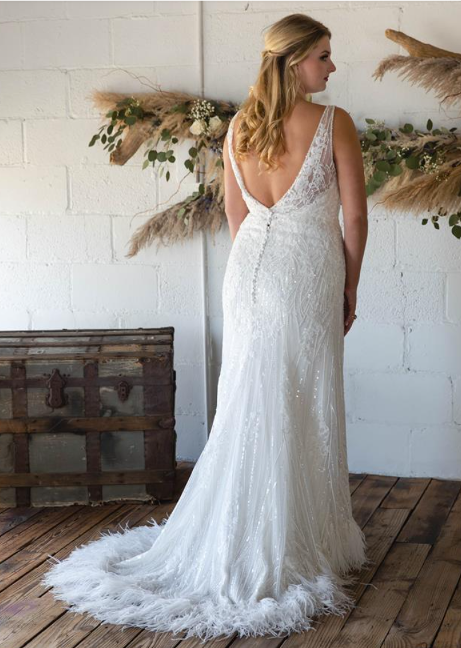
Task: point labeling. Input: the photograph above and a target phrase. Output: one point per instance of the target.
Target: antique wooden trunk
(86, 415)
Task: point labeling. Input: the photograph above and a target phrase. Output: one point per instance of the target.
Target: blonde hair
(277, 88)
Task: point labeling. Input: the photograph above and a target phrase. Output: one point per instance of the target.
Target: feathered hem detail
(87, 581)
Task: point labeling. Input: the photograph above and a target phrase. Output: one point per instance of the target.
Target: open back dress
(262, 538)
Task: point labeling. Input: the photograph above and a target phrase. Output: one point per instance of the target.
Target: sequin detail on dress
(262, 538)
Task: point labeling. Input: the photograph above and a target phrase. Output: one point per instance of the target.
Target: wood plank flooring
(410, 597)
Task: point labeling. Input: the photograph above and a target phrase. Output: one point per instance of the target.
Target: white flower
(215, 123)
(198, 127)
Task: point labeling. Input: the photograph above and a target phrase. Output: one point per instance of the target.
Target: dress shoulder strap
(329, 134)
(230, 133)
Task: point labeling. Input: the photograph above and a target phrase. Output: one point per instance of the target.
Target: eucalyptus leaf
(395, 170)
(412, 162)
(379, 176)
(382, 165)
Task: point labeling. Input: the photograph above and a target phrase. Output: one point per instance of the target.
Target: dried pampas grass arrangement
(431, 176)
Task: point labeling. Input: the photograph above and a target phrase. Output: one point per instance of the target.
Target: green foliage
(383, 157)
(127, 113)
(454, 221)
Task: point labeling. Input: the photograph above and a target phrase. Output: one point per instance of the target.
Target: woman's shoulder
(234, 121)
(343, 119)
(340, 113)
(345, 134)
(307, 111)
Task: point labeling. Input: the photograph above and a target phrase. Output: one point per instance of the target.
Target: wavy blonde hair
(276, 89)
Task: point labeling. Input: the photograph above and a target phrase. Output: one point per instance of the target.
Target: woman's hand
(350, 304)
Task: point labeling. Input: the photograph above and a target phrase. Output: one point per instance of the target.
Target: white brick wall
(66, 214)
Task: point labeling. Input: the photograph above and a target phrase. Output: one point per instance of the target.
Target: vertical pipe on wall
(203, 243)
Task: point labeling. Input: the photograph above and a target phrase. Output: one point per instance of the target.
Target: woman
(262, 537)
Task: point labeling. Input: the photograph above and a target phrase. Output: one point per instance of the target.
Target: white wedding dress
(262, 537)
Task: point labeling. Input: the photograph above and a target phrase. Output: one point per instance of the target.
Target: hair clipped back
(276, 89)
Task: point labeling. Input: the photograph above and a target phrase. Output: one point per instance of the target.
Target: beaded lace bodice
(300, 224)
(315, 175)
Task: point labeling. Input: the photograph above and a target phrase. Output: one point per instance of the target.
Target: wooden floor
(410, 597)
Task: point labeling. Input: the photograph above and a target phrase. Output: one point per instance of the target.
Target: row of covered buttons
(258, 262)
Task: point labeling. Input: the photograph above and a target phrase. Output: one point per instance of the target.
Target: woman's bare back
(299, 129)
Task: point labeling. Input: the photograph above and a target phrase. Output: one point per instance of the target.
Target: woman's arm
(348, 159)
(235, 207)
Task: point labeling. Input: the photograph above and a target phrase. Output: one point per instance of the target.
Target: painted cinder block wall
(66, 214)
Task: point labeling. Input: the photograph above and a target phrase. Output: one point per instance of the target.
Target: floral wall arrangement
(413, 170)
